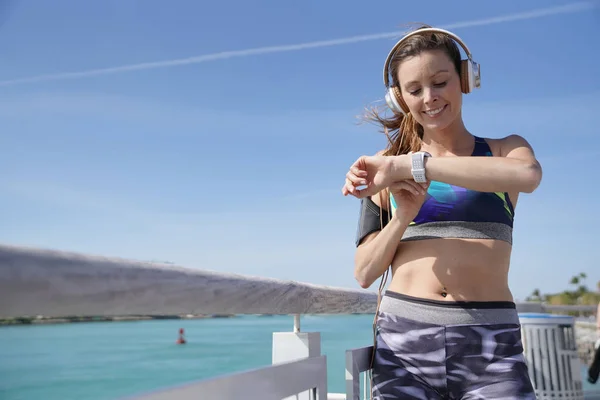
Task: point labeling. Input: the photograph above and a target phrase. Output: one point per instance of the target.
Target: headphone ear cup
(466, 76)
(401, 100)
(394, 100)
(397, 96)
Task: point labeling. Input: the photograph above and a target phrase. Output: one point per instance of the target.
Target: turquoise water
(108, 360)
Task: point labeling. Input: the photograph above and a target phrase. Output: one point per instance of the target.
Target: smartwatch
(418, 166)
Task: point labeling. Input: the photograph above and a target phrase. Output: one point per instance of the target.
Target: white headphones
(470, 72)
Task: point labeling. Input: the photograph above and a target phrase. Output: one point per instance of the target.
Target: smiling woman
(437, 212)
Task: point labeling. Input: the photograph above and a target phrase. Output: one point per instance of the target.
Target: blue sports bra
(451, 211)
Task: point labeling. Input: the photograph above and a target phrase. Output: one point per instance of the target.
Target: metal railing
(267, 383)
(358, 363)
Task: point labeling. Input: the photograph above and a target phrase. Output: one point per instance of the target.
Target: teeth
(434, 112)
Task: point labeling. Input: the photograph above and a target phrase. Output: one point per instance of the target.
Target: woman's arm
(376, 251)
(515, 170)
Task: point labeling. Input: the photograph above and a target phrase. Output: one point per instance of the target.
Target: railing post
(291, 346)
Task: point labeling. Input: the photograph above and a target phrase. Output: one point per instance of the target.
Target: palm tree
(582, 276)
(574, 280)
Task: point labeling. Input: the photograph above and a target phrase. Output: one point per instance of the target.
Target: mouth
(435, 112)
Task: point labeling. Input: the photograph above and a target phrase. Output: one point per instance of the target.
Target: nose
(430, 95)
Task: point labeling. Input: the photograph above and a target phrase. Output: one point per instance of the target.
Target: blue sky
(234, 162)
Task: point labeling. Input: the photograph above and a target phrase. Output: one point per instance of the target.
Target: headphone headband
(418, 32)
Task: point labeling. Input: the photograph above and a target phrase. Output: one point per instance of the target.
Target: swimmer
(437, 209)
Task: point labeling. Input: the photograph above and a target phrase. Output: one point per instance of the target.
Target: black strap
(369, 220)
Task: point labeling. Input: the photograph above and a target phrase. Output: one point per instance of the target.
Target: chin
(439, 122)
(436, 126)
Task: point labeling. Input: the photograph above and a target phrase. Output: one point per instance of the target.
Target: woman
(437, 210)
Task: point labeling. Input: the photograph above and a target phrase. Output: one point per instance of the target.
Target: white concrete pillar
(290, 346)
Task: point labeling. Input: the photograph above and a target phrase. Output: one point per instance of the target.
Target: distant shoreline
(41, 320)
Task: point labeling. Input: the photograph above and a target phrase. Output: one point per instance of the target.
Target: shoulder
(507, 145)
(514, 142)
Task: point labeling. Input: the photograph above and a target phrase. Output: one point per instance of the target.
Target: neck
(454, 139)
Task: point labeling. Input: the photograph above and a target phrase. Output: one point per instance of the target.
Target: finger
(405, 185)
(422, 187)
(348, 188)
(358, 171)
(351, 187)
(345, 191)
(355, 180)
(411, 186)
(370, 190)
(365, 191)
(359, 163)
(418, 186)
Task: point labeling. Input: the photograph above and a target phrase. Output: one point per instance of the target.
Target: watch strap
(418, 166)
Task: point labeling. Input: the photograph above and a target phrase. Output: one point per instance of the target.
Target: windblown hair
(404, 133)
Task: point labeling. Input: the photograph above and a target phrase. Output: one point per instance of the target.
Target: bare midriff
(452, 269)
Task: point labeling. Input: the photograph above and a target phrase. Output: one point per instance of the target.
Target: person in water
(437, 211)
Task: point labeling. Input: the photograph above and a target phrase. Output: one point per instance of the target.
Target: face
(430, 88)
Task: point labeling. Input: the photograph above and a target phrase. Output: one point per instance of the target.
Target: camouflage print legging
(448, 350)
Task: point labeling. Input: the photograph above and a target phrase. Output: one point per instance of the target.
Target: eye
(440, 84)
(414, 92)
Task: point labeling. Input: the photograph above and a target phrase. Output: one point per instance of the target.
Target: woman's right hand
(409, 197)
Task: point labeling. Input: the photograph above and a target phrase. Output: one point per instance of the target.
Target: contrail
(569, 8)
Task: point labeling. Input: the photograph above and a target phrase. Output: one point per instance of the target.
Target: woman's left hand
(374, 172)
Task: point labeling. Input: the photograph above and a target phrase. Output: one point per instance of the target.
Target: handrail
(272, 382)
(357, 361)
(570, 308)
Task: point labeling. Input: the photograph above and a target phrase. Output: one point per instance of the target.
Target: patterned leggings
(429, 349)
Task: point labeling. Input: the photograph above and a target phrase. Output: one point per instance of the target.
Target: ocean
(109, 360)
